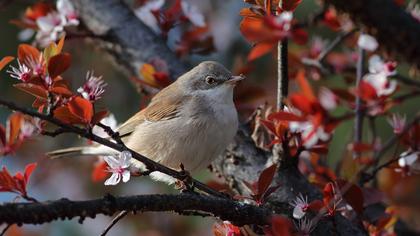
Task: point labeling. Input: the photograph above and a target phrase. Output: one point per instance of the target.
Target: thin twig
(340, 38)
(365, 177)
(5, 229)
(406, 81)
(282, 71)
(150, 164)
(358, 123)
(114, 221)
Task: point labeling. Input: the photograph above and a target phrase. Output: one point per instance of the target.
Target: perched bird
(190, 122)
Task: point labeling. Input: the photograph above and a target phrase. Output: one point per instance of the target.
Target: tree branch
(358, 122)
(395, 29)
(225, 209)
(151, 165)
(128, 40)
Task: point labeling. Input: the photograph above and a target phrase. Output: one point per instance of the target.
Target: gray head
(208, 75)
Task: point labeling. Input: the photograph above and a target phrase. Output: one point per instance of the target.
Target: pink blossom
(397, 122)
(93, 88)
(414, 10)
(367, 42)
(51, 27)
(300, 206)
(36, 64)
(327, 98)
(65, 8)
(408, 162)
(311, 134)
(317, 46)
(119, 167)
(284, 20)
(378, 76)
(22, 72)
(29, 128)
(305, 226)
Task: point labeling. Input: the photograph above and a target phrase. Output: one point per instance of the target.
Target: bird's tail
(69, 152)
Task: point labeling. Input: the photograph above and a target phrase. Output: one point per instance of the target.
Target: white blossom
(119, 167)
(300, 206)
(367, 42)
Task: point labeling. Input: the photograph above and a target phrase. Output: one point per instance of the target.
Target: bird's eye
(210, 80)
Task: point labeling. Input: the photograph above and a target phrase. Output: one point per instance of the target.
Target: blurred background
(71, 177)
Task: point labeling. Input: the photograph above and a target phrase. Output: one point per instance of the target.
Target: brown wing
(164, 106)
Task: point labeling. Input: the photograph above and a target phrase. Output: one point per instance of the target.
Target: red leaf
(287, 116)
(99, 172)
(266, 176)
(300, 36)
(26, 51)
(28, 171)
(61, 91)
(304, 85)
(5, 61)
(63, 113)
(269, 125)
(360, 147)
(329, 194)
(81, 108)
(352, 194)
(302, 103)
(280, 226)
(319, 149)
(316, 205)
(290, 5)
(259, 50)
(366, 91)
(13, 127)
(2, 135)
(58, 64)
(16, 183)
(35, 90)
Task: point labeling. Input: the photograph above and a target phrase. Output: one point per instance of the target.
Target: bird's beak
(235, 79)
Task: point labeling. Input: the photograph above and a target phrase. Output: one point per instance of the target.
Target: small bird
(190, 122)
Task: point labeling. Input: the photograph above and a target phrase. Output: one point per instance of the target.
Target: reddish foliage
(99, 172)
(18, 182)
(226, 229)
(77, 111)
(4, 61)
(58, 64)
(352, 194)
(280, 226)
(9, 135)
(261, 189)
(195, 40)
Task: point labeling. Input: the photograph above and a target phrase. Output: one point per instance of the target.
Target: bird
(190, 122)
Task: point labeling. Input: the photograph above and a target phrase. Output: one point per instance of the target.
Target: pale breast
(191, 139)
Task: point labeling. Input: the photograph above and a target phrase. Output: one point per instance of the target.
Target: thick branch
(130, 42)
(395, 29)
(243, 161)
(225, 209)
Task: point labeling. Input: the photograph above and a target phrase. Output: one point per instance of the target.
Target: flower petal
(112, 161)
(126, 176)
(113, 180)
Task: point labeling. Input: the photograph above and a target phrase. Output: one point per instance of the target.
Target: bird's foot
(185, 184)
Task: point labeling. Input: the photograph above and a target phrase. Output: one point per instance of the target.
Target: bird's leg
(185, 184)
